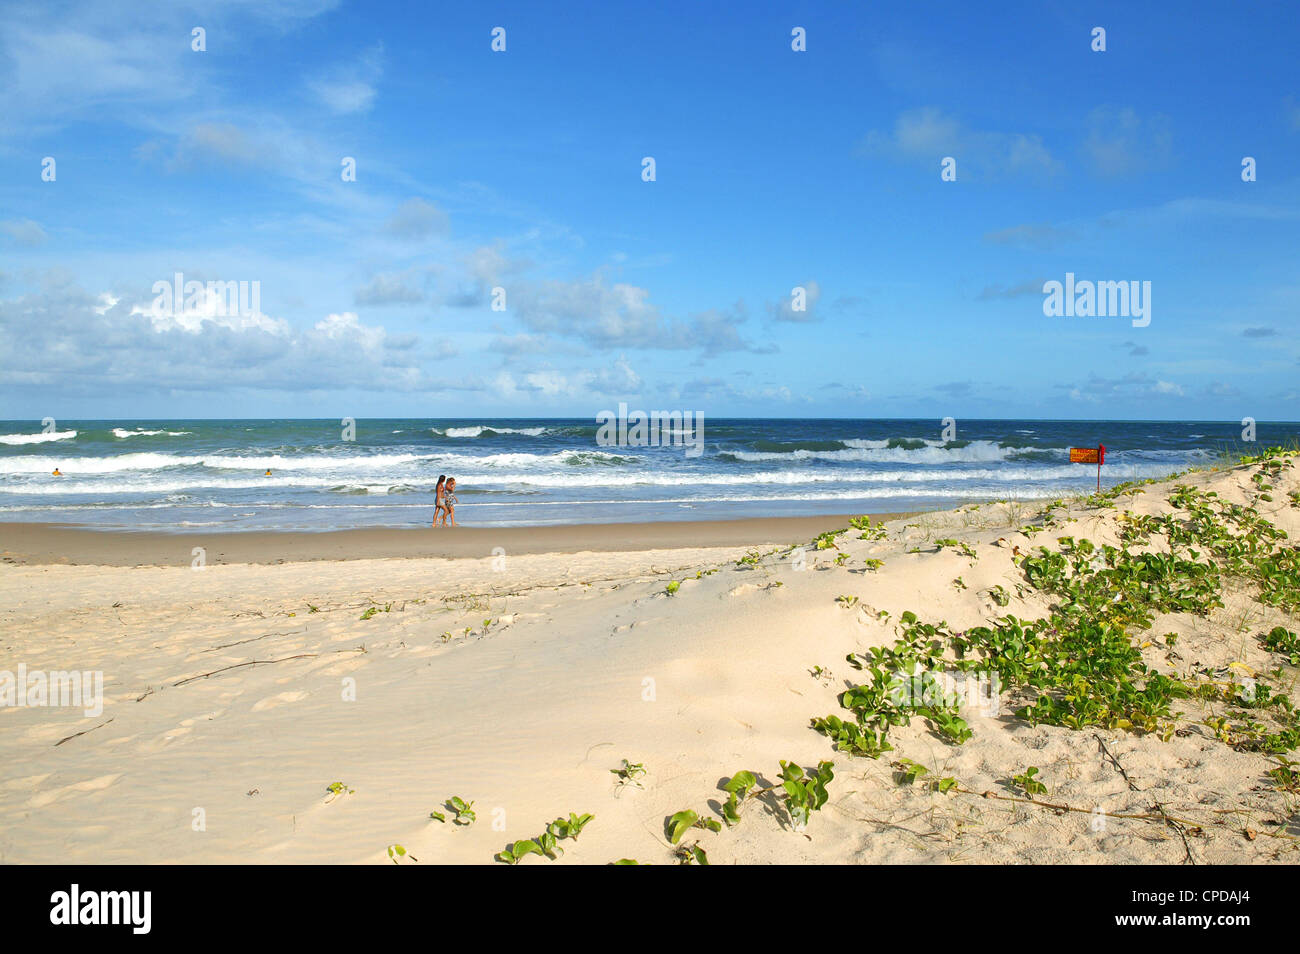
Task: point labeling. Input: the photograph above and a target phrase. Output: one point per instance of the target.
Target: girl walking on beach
(449, 503)
(437, 497)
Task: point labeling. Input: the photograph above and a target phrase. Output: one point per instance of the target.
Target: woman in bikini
(437, 497)
(449, 503)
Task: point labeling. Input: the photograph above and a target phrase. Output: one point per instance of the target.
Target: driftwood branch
(258, 662)
(1175, 824)
(83, 732)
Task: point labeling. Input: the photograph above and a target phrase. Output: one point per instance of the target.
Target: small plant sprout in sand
(387, 608)
(463, 811)
(570, 827)
(515, 852)
(754, 558)
(912, 772)
(847, 602)
(1286, 777)
(672, 587)
(682, 822)
(691, 854)
(397, 851)
(737, 788)
(805, 792)
(826, 541)
(336, 790)
(963, 548)
(629, 773)
(1027, 783)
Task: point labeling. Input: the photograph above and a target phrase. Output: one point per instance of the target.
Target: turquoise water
(210, 474)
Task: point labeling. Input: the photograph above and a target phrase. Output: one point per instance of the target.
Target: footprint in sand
(625, 627)
(27, 781)
(168, 737)
(41, 799)
(283, 698)
(744, 589)
(346, 666)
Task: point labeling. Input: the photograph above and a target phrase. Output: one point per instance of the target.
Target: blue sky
(522, 170)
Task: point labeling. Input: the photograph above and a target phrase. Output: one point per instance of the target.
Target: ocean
(211, 474)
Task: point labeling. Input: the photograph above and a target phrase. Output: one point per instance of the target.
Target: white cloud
(392, 288)
(351, 89)
(620, 315)
(416, 219)
(927, 135)
(93, 345)
(1134, 386)
(220, 143)
(783, 309)
(23, 232)
(1121, 143)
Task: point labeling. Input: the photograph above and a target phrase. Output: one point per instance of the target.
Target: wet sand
(48, 543)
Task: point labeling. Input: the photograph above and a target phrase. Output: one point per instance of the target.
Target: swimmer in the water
(267, 474)
(57, 472)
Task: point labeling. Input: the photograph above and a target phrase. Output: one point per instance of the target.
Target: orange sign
(1090, 455)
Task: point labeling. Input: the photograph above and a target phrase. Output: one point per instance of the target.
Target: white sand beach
(236, 694)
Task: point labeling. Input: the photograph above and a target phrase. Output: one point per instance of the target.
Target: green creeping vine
(682, 822)
(463, 810)
(755, 557)
(1282, 640)
(547, 843)
(802, 792)
(1286, 777)
(1081, 662)
(869, 531)
(902, 685)
(826, 541)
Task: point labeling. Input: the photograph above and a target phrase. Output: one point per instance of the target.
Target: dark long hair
(441, 478)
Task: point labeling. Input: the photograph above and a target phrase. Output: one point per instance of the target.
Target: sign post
(1090, 455)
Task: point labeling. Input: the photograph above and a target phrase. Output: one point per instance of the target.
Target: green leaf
(740, 783)
(731, 810)
(680, 824)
